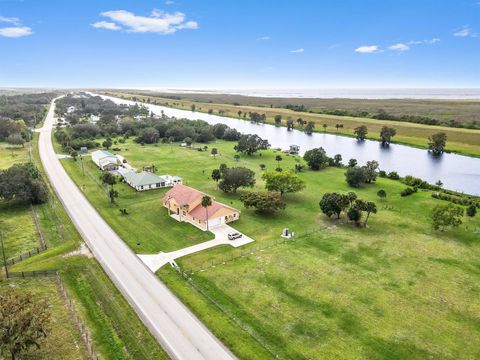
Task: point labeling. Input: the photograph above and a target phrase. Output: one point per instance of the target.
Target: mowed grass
(147, 228)
(396, 289)
(463, 141)
(63, 340)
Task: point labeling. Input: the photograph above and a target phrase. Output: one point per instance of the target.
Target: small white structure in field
(105, 160)
(287, 234)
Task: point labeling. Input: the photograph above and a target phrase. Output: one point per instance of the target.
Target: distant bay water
(434, 93)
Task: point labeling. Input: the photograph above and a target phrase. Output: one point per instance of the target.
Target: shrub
(354, 215)
(471, 211)
(355, 176)
(456, 199)
(393, 175)
(382, 174)
(408, 191)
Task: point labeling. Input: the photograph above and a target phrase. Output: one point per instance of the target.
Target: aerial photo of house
(184, 204)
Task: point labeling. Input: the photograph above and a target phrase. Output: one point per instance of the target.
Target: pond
(457, 172)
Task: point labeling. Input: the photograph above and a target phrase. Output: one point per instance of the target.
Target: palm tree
(206, 202)
(278, 158)
(370, 207)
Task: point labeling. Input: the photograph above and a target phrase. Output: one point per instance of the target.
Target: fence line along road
(180, 333)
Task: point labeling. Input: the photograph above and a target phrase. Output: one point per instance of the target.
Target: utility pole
(4, 257)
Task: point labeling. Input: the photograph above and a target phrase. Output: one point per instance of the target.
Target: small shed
(294, 149)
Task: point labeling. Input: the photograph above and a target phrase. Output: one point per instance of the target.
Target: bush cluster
(408, 191)
(459, 200)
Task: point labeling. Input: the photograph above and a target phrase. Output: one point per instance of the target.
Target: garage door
(214, 222)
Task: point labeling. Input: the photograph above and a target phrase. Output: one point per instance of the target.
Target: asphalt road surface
(179, 332)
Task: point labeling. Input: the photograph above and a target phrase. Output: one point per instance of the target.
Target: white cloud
(421, 42)
(15, 31)
(106, 25)
(169, 2)
(399, 47)
(263, 38)
(465, 31)
(367, 49)
(159, 22)
(297, 51)
(13, 20)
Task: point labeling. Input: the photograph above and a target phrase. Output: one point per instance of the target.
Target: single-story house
(146, 180)
(105, 160)
(185, 204)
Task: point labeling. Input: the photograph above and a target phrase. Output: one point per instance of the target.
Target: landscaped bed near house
(396, 289)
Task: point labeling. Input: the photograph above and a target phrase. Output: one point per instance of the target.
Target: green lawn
(18, 229)
(63, 340)
(147, 228)
(396, 289)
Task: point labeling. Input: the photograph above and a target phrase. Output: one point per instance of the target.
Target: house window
(226, 218)
(162, 184)
(141, 187)
(184, 213)
(234, 215)
(199, 221)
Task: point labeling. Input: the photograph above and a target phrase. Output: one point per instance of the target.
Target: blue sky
(240, 44)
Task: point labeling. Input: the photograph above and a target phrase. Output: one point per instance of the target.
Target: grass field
(16, 221)
(117, 331)
(396, 289)
(10, 155)
(63, 340)
(463, 141)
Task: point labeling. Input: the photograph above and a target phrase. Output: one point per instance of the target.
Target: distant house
(294, 149)
(146, 180)
(83, 150)
(185, 204)
(105, 160)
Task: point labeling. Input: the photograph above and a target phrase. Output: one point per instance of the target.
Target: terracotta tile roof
(182, 194)
(200, 212)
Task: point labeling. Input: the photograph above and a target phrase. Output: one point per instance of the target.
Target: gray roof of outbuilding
(142, 178)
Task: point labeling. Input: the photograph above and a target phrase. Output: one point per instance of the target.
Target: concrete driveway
(156, 261)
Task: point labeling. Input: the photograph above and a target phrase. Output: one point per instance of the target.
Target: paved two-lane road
(181, 334)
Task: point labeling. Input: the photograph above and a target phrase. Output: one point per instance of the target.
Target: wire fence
(41, 237)
(84, 332)
(26, 255)
(187, 275)
(31, 274)
(239, 253)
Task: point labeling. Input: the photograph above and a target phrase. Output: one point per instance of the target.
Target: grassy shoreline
(461, 141)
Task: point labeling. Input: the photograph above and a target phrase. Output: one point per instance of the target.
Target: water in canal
(457, 172)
